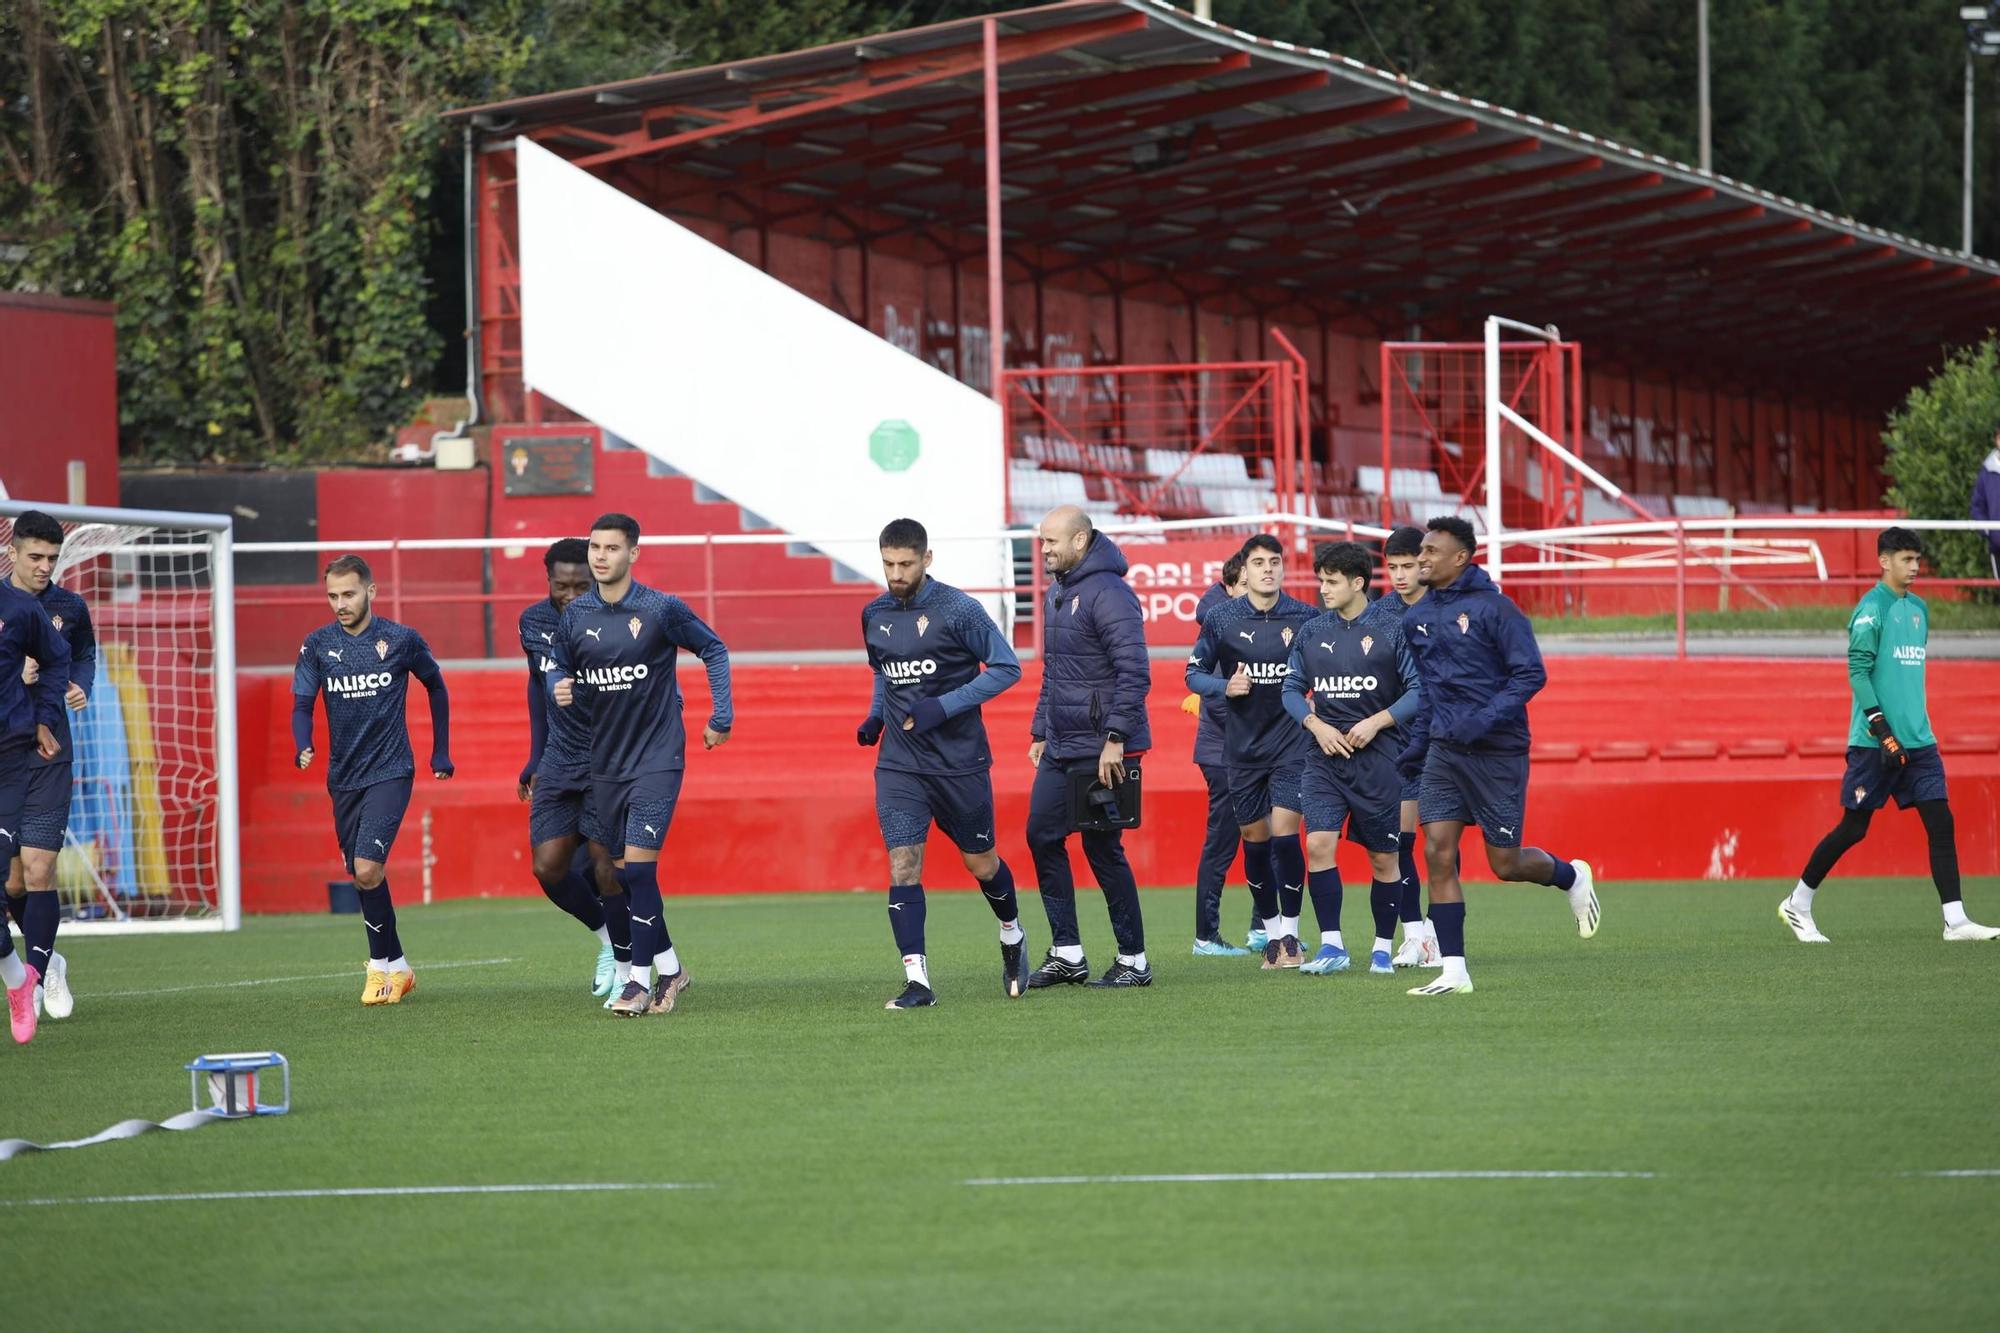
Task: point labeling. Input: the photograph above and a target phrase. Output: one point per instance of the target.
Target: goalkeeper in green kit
(1890, 748)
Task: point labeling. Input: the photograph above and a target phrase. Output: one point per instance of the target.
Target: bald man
(1091, 718)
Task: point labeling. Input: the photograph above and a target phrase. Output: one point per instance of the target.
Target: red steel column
(995, 320)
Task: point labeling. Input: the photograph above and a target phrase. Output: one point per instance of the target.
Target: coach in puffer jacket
(1095, 672)
(1091, 718)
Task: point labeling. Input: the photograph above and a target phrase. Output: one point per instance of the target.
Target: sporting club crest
(1860, 793)
(1464, 623)
(56, 621)
(923, 623)
(382, 649)
(633, 625)
(1286, 635)
(1367, 642)
(1075, 602)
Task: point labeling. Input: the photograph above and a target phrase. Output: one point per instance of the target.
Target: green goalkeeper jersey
(1886, 638)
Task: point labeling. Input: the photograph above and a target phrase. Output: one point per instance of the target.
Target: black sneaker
(1120, 974)
(1056, 972)
(915, 995)
(1014, 968)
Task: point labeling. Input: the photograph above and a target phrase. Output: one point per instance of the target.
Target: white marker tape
(375, 1192)
(124, 1129)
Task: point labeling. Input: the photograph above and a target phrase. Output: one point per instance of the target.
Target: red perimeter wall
(1647, 768)
(59, 387)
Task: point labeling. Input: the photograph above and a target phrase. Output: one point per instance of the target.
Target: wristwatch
(1115, 737)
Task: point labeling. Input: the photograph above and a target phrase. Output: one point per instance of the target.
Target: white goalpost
(152, 838)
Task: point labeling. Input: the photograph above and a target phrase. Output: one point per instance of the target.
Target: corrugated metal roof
(1135, 132)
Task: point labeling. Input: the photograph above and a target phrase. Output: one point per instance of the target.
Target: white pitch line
(1220, 1177)
(369, 1192)
(274, 981)
(1958, 1174)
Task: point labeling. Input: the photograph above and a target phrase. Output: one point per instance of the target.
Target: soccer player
(364, 663)
(1399, 559)
(1089, 718)
(1362, 681)
(615, 654)
(31, 875)
(927, 643)
(1218, 848)
(577, 875)
(1890, 748)
(1479, 665)
(29, 717)
(1241, 658)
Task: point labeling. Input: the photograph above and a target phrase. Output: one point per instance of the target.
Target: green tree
(1936, 442)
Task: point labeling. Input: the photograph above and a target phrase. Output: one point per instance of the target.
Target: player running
(1242, 657)
(364, 663)
(1399, 559)
(616, 651)
(29, 716)
(1362, 681)
(31, 875)
(927, 643)
(1479, 665)
(1890, 748)
(577, 875)
(1220, 844)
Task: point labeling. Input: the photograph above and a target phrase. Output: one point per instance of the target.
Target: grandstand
(1208, 242)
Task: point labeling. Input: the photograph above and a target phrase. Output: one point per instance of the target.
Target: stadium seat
(1619, 751)
(1758, 747)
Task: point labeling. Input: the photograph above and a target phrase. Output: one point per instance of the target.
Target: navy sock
(617, 910)
(1449, 919)
(1410, 892)
(41, 915)
(1000, 895)
(1256, 921)
(649, 918)
(1257, 869)
(18, 909)
(1288, 868)
(380, 914)
(1563, 876)
(1383, 896)
(1326, 894)
(906, 917)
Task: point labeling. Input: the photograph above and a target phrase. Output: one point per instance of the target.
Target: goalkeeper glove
(868, 732)
(1892, 749)
(1192, 705)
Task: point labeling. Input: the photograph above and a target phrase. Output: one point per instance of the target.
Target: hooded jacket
(1095, 672)
(1986, 497)
(1479, 665)
(1208, 736)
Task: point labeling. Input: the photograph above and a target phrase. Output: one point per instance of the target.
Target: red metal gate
(1434, 423)
(1158, 441)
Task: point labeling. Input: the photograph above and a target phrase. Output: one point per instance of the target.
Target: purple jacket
(1986, 498)
(1095, 672)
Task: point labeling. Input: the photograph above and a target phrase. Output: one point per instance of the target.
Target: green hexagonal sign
(894, 446)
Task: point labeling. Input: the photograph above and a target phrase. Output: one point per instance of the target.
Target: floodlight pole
(1966, 201)
(1701, 80)
(996, 324)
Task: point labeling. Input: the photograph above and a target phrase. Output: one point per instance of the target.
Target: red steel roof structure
(1145, 151)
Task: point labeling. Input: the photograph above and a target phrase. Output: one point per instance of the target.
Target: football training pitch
(1691, 1120)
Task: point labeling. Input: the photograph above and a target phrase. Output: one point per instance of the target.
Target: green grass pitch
(1785, 1098)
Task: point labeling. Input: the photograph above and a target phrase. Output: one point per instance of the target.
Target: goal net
(151, 842)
